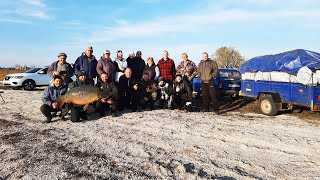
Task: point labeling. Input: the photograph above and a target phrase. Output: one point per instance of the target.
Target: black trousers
(150, 101)
(209, 93)
(125, 99)
(77, 112)
(179, 100)
(46, 110)
(105, 106)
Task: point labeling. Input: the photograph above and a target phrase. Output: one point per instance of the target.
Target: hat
(106, 52)
(131, 53)
(139, 52)
(89, 48)
(82, 73)
(57, 77)
(62, 54)
(160, 79)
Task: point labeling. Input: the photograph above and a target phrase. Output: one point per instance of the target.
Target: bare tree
(18, 66)
(228, 57)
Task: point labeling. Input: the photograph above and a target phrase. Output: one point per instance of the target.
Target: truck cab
(227, 82)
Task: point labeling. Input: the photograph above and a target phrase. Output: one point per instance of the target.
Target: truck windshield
(224, 74)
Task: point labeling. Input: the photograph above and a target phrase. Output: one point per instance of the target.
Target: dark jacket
(54, 66)
(153, 71)
(86, 64)
(125, 84)
(66, 76)
(51, 93)
(79, 83)
(207, 70)
(137, 65)
(109, 88)
(143, 85)
(106, 66)
(185, 91)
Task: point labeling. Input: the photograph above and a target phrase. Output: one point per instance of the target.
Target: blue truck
(227, 82)
(288, 93)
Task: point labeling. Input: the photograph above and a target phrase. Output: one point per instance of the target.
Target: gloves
(188, 103)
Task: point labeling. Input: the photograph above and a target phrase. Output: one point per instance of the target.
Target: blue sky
(34, 32)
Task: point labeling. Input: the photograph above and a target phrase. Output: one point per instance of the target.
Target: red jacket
(167, 69)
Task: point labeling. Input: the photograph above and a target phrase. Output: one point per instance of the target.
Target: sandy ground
(159, 144)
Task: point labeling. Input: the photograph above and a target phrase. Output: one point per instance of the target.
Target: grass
(4, 72)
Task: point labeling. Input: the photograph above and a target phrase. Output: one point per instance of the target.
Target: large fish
(82, 95)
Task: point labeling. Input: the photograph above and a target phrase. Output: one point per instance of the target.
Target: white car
(28, 80)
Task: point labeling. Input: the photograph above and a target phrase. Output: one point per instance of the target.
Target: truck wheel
(267, 106)
(28, 85)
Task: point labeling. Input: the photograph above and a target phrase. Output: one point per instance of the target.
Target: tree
(228, 57)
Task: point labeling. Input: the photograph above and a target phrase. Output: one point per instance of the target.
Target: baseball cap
(89, 48)
(106, 52)
(62, 54)
(82, 73)
(160, 79)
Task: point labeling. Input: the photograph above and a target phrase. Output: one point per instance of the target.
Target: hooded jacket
(87, 64)
(106, 66)
(51, 93)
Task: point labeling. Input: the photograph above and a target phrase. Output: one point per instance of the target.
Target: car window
(229, 74)
(45, 70)
(33, 70)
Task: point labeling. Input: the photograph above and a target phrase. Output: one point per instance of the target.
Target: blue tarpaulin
(289, 62)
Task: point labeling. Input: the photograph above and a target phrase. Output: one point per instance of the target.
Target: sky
(34, 32)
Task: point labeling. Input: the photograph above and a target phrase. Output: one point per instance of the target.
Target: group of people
(129, 83)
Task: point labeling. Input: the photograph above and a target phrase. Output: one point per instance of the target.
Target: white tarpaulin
(304, 76)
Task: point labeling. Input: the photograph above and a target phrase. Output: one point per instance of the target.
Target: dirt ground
(161, 144)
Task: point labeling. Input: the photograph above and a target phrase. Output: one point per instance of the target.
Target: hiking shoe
(217, 112)
(62, 118)
(48, 120)
(205, 110)
(114, 114)
(102, 114)
(84, 117)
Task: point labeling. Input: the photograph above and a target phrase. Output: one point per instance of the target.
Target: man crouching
(50, 94)
(111, 92)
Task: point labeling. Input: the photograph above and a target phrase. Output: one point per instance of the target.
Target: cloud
(197, 22)
(37, 3)
(23, 11)
(15, 21)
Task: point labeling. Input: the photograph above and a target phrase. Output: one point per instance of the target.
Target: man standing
(120, 64)
(207, 71)
(137, 65)
(187, 68)
(167, 67)
(105, 65)
(50, 94)
(61, 68)
(88, 63)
